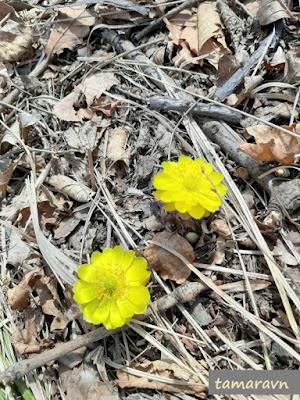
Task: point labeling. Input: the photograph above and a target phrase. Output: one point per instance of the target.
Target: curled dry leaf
(162, 369)
(271, 10)
(18, 296)
(116, 146)
(15, 36)
(86, 92)
(272, 144)
(164, 262)
(71, 188)
(74, 26)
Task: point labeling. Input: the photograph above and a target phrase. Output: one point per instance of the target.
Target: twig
(155, 24)
(224, 91)
(201, 110)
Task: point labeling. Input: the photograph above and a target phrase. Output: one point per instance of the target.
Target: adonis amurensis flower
(190, 187)
(112, 288)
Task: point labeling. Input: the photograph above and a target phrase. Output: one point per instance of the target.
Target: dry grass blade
(233, 304)
(61, 265)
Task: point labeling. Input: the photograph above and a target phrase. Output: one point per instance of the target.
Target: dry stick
(200, 110)
(155, 24)
(224, 91)
(182, 294)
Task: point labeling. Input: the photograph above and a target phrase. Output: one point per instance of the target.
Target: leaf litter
(79, 149)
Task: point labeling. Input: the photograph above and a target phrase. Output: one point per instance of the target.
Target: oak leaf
(272, 145)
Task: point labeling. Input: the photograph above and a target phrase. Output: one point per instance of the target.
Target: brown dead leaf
(270, 11)
(168, 265)
(15, 36)
(71, 31)
(166, 370)
(6, 171)
(105, 106)
(84, 94)
(69, 187)
(18, 296)
(240, 286)
(84, 385)
(26, 341)
(272, 144)
(220, 226)
(116, 146)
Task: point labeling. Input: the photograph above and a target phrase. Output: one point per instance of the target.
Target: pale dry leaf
(19, 251)
(285, 256)
(164, 370)
(279, 57)
(71, 188)
(164, 262)
(70, 32)
(15, 36)
(272, 144)
(87, 91)
(210, 32)
(220, 226)
(84, 385)
(116, 146)
(82, 138)
(240, 286)
(252, 6)
(6, 171)
(292, 66)
(270, 11)
(18, 296)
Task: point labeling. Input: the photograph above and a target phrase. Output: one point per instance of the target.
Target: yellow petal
(117, 256)
(185, 160)
(90, 309)
(221, 189)
(197, 212)
(88, 273)
(84, 292)
(97, 259)
(216, 178)
(139, 296)
(169, 206)
(128, 258)
(101, 313)
(137, 274)
(126, 308)
(163, 181)
(115, 319)
(182, 206)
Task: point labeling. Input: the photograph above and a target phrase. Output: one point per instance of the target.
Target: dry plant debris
(100, 103)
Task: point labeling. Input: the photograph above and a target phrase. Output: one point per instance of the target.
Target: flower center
(112, 283)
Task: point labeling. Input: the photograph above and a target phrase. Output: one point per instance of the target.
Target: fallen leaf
(117, 140)
(84, 385)
(74, 26)
(82, 138)
(69, 187)
(105, 106)
(240, 286)
(286, 255)
(6, 171)
(220, 226)
(164, 262)
(292, 66)
(191, 384)
(18, 296)
(15, 36)
(76, 105)
(272, 144)
(270, 11)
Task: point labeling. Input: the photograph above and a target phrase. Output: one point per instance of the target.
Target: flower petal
(182, 206)
(137, 274)
(139, 296)
(88, 273)
(169, 206)
(101, 313)
(97, 259)
(117, 255)
(221, 189)
(115, 319)
(90, 309)
(126, 308)
(84, 292)
(163, 181)
(128, 258)
(216, 178)
(197, 211)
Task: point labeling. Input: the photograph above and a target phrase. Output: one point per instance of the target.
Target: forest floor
(94, 97)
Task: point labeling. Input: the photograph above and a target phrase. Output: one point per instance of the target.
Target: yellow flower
(112, 288)
(189, 187)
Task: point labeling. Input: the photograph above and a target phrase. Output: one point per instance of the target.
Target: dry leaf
(69, 187)
(270, 11)
(82, 138)
(240, 286)
(272, 144)
(87, 91)
(18, 296)
(220, 226)
(68, 34)
(15, 36)
(6, 171)
(210, 32)
(84, 385)
(164, 262)
(292, 66)
(116, 146)
(191, 384)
